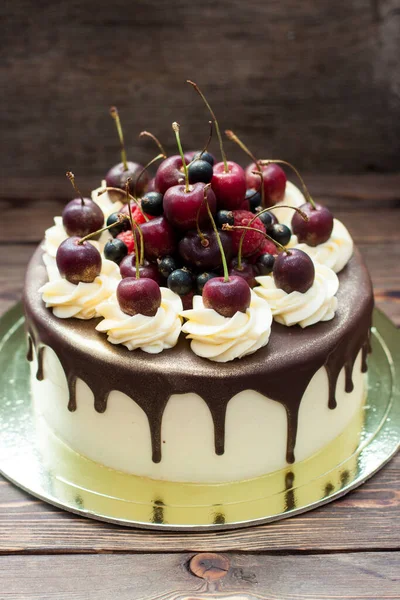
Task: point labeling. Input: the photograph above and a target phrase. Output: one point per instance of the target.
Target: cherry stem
(301, 213)
(208, 141)
(227, 227)
(175, 127)
(151, 162)
(284, 162)
(261, 174)
(71, 177)
(156, 140)
(134, 227)
(115, 116)
(121, 217)
(221, 248)
(119, 190)
(234, 138)
(204, 241)
(221, 145)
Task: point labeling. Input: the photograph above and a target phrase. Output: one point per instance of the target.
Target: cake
(183, 379)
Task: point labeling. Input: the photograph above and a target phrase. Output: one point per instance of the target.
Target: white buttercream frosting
(221, 338)
(319, 303)
(335, 253)
(82, 300)
(106, 199)
(54, 236)
(292, 197)
(150, 334)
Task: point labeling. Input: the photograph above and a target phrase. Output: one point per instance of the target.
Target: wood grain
(366, 519)
(357, 576)
(316, 83)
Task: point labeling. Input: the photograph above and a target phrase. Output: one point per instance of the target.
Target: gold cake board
(38, 462)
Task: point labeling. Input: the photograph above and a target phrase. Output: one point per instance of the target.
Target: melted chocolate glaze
(282, 370)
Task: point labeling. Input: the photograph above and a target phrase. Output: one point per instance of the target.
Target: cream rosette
(82, 300)
(318, 303)
(109, 202)
(222, 339)
(292, 197)
(150, 334)
(335, 253)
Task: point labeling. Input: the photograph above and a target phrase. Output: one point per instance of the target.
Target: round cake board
(35, 460)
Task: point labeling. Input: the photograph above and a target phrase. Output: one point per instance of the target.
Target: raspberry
(267, 247)
(252, 241)
(127, 238)
(137, 214)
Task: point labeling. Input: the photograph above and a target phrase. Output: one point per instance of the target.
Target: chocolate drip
(280, 371)
(29, 354)
(290, 498)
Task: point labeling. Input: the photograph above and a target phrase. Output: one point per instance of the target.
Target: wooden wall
(315, 82)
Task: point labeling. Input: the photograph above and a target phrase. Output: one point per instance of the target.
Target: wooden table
(346, 549)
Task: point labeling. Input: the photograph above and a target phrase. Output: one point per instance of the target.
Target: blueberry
(224, 216)
(152, 204)
(120, 226)
(265, 264)
(205, 156)
(268, 219)
(200, 170)
(180, 282)
(280, 233)
(254, 199)
(202, 279)
(167, 264)
(115, 250)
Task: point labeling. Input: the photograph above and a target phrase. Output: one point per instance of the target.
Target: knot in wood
(209, 566)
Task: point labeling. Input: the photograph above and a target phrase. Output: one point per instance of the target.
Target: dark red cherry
(151, 186)
(169, 173)
(117, 176)
(139, 296)
(246, 271)
(274, 181)
(159, 238)
(205, 254)
(80, 219)
(181, 208)
(148, 270)
(317, 229)
(78, 262)
(229, 188)
(293, 271)
(227, 297)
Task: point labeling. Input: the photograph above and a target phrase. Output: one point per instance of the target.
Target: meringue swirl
(223, 339)
(335, 253)
(150, 334)
(317, 304)
(80, 301)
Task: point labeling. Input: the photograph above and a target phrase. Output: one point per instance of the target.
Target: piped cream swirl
(82, 300)
(151, 334)
(292, 197)
(108, 201)
(319, 303)
(222, 339)
(335, 253)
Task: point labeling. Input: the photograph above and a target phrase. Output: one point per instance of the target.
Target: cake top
(204, 248)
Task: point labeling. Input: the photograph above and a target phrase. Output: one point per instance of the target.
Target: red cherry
(159, 238)
(317, 229)
(252, 241)
(78, 262)
(139, 296)
(169, 173)
(293, 271)
(229, 188)
(148, 270)
(117, 177)
(80, 219)
(195, 254)
(151, 186)
(227, 297)
(187, 301)
(247, 271)
(181, 208)
(274, 181)
(128, 239)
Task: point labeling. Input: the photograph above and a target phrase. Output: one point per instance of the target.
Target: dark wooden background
(315, 82)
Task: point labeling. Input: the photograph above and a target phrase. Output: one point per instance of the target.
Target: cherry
(78, 261)
(120, 224)
(151, 186)
(180, 281)
(246, 271)
(251, 240)
(115, 250)
(169, 173)
(81, 216)
(265, 264)
(317, 229)
(152, 204)
(118, 175)
(187, 301)
(293, 271)
(274, 181)
(139, 296)
(227, 297)
(280, 233)
(146, 270)
(159, 238)
(189, 155)
(253, 198)
(182, 207)
(200, 170)
(167, 264)
(203, 251)
(202, 279)
(224, 217)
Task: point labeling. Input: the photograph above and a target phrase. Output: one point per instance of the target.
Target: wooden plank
(314, 82)
(359, 576)
(366, 519)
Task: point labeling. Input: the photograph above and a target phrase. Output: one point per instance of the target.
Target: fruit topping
(78, 260)
(81, 216)
(293, 271)
(139, 296)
